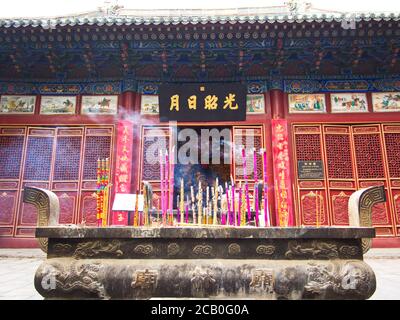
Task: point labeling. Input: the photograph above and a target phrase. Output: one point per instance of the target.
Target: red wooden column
(277, 105)
(282, 179)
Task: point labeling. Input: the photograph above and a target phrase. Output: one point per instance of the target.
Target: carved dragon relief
(361, 203)
(48, 207)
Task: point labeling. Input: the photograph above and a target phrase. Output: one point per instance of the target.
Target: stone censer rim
(206, 232)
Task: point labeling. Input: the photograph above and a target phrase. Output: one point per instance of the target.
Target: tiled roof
(194, 16)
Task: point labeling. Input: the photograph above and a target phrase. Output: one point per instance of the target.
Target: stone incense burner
(205, 262)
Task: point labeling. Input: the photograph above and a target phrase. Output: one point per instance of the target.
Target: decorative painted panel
(88, 208)
(340, 204)
(313, 210)
(67, 206)
(8, 200)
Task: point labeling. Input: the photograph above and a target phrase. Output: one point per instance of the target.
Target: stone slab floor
(18, 266)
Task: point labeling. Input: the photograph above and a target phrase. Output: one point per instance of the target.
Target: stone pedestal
(261, 263)
(205, 262)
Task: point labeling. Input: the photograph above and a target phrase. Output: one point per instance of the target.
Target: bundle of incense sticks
(102, 191)
(214, 204)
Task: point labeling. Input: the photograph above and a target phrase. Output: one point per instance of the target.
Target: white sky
(32, 8)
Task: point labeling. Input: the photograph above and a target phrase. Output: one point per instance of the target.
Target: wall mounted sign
(310, 169)
(202, 102)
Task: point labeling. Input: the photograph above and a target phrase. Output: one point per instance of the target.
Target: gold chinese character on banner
(174, 103)
(211, 102)
(192, 102)
(229, 102)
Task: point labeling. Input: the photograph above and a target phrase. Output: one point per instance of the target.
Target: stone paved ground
(18, 266)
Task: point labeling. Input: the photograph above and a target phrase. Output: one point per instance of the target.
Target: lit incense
(233, 201)
(162, 183)
(187, 210)
(266, 211)
(200, 204)
(240, 205)
(228, 203)
(246, 185)
(181, 205)
(167, 186)
(193, 205)
(255, 186)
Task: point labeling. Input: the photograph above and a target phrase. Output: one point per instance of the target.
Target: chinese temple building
(323, 100)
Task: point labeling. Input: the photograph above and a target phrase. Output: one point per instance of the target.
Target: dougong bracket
(48, 209)
(361, 203)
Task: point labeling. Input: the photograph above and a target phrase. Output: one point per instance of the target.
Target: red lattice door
(391, 134)
(98, 143)
(66, 171)
(340, 171)
(370, 161)
(12, 144)
(311, 193)
(37, 169)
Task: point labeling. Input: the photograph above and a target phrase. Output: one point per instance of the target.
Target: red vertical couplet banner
(123, 167)
(283, 185)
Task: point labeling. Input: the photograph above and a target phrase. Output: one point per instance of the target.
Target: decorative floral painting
(58, 105)
(17, 104)
(99, 105)
(149, 104)
(386, 101)
(349, 102)
(299, 103)
(255, 103)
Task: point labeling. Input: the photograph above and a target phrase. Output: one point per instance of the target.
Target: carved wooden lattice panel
(95, 147)
(338, 155)
(153, 141)
(68, 156)
(38, 158)
(367, 147)
(249, 138)
(392, 152)
(11, 147)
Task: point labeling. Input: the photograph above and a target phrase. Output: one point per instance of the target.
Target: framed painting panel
(17, 104)
(58, 105)
(307, 103)
(255, 103)
(100, 105)
(386, 101)
(149, 104)
(349, 102)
